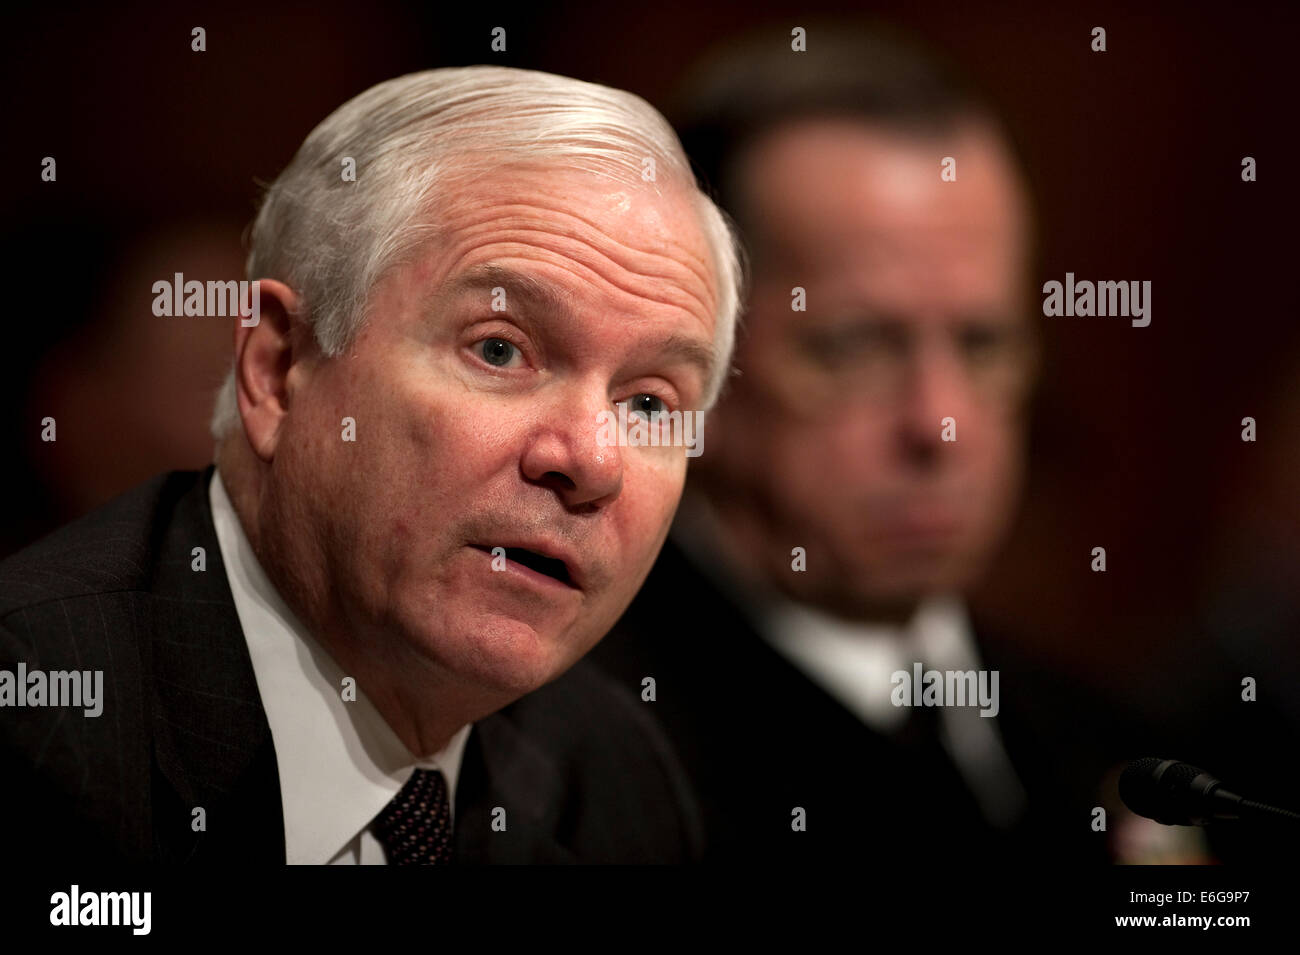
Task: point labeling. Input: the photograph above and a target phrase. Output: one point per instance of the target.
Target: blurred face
(831, 438)
(476, 386)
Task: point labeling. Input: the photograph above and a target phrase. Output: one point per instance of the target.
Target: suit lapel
(503, 768)
(213, 748)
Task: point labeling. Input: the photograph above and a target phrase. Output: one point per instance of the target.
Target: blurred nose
(565, 453)
(934, 388)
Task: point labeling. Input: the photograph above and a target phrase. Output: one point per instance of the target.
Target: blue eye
(647, 405)
(497, 351)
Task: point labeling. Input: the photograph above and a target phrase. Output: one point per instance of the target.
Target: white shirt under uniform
(854, 661)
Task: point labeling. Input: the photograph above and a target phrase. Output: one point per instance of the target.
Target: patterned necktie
(415, 827)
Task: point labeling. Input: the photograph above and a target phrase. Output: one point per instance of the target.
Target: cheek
(322, 438)
(995, 454)
(442, 444)
(995, 470)
(419, 457)
(859, 444)
(832, 459)
(652, 490)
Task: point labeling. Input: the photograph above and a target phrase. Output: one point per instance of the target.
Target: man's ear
(265, 351)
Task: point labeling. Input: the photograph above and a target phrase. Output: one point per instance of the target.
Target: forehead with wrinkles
(564, 241)
(650, 231)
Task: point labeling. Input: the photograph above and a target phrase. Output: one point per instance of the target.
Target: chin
(914, 588)
(510, 655)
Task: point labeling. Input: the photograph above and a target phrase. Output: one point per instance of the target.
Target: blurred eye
(852, 344)
(982, 343)
(646, 405)
(498, 351)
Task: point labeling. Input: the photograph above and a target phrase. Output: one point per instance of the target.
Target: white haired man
(353, 639)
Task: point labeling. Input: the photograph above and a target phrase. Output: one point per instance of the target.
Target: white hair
(415, 136)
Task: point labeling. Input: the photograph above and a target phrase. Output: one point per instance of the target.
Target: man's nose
(566, 453)
(935, 388)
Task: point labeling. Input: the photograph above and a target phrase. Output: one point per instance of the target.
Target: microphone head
(1161, 789)
(1138, 788)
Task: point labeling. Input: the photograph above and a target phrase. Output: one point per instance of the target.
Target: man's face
(831, 438)
(476, 424)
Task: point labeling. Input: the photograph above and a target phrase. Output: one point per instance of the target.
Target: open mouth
(550, 566)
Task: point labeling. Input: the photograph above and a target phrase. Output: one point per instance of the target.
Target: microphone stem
(1271, 810)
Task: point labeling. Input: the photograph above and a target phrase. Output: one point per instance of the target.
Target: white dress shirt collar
(339, 762)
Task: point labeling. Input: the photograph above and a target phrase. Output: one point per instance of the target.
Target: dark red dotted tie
(415, 827)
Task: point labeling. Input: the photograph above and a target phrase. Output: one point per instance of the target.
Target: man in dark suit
(858, 475)
(357, 637)
(183, 726)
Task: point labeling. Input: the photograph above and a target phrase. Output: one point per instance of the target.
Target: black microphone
(1177, 794)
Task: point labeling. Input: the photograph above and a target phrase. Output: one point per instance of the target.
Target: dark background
(1135, 155)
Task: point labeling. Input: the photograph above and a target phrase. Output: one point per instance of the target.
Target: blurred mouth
(540, 564)
(921, 530)
(925, 528)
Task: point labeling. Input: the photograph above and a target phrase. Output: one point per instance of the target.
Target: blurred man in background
(858, 476)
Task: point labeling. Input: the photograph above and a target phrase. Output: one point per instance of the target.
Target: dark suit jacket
(759, 738)
(582, 772)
